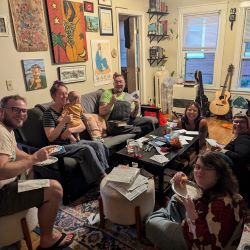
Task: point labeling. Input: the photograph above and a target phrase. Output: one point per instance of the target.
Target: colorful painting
(101, 62)
(29, 25)
(34, 73)
(3, 26)
(91, 23)
(67, 26)
(88, 7)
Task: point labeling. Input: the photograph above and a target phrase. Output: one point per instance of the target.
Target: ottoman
(118, 209)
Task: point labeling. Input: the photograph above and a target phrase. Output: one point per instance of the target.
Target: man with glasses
(238, 150)
(13, 162)
(115, 104)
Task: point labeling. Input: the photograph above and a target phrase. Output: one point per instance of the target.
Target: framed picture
(34, 74)
(69, 74)
(88, 7)
(67, 30)
(91, 23)
(105, 2)
(3, 26)
(101, 59)
(106, 21)
(29, 25)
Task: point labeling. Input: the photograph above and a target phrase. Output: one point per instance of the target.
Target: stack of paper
(123, 174)
(130, 183)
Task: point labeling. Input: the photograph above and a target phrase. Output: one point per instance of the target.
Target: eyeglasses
(17, 110)
(121, 81)
(239, 121)
(199, 167)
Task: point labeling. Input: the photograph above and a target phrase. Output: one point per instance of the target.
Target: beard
(11, 124)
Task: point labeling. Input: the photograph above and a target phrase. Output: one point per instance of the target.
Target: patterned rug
(73, 218)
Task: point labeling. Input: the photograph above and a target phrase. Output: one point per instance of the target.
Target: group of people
(208, 221)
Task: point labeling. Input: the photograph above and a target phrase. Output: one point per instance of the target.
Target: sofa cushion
(113, 141)
(90, 101)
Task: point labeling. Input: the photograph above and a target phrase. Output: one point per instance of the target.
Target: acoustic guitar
(201, 97)
(220, 105)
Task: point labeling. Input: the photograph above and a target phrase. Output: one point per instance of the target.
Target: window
(244, 78)
(200, 42)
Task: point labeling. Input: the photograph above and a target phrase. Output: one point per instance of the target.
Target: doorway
(130, 49)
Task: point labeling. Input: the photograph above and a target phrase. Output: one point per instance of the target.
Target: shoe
(56, 245)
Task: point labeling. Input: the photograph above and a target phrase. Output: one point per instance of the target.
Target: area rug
(73, 218)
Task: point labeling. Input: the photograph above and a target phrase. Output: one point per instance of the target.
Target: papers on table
(27, 185)
(139, 186)
(159, 158)
(184, 131)
(135, 183)
(123, 174)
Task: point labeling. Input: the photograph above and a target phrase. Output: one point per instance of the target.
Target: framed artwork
(88, 7)
(101, 60)
(105, 2)
(91, 23)
(72, 74)
(29, 25)
(3, 26)
(34, 74)
(67, 30)
(106, 21)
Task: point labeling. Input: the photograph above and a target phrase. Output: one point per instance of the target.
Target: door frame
(141, 23)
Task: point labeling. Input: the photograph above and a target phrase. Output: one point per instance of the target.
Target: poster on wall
(101, 59)
(29, 25)
(67, 30)
(34, 74)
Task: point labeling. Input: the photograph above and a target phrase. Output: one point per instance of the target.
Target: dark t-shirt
(50, 120)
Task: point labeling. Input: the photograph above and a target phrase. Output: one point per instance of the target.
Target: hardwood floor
(217, 131)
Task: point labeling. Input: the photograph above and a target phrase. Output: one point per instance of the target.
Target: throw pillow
(95, 125)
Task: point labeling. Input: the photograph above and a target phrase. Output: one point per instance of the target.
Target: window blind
(200, 31)
(247, 27)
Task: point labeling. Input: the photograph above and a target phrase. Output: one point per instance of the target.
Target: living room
(217, 41)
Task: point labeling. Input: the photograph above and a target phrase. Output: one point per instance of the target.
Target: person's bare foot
(56, 241)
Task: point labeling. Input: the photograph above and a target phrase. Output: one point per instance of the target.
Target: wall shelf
(157, 37)
(158, 15)
(158, 61)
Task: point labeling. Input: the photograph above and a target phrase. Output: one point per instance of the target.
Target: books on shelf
(160, 28)
(158, 5)
(123, 174)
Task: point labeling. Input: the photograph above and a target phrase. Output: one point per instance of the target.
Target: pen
(93, 217)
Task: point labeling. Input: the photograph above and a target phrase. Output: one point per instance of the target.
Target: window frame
(239, 46)
(204, 9)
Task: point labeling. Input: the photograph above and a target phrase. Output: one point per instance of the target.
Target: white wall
(10, 58)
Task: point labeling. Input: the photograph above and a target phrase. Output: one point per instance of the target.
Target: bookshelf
(157, 30)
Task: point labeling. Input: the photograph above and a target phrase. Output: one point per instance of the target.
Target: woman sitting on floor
(213, 221)
(193, 121)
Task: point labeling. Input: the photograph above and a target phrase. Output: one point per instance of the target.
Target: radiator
(160, 89)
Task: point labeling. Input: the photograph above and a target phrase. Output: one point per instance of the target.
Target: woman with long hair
(212, 221)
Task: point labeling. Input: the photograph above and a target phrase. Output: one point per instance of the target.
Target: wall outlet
(9, 85)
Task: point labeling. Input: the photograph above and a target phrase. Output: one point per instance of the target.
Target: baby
(75, 109)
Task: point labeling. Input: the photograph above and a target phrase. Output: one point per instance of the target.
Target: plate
(190, 189)
(55, 149)
(49, 161)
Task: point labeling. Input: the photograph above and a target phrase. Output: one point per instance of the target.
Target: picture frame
(4, 30)
(101, 61)
(88, 7)
(105, 21)
(105, 2)
(71, 74)
(34, 74)
(91, 23)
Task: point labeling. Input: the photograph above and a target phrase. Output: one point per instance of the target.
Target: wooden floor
(217, 131)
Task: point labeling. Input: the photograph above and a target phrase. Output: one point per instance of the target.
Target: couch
(32, 137)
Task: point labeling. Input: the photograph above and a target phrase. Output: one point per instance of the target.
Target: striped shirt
(50, 120)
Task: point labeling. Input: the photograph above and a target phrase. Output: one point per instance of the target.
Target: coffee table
(155, 168)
